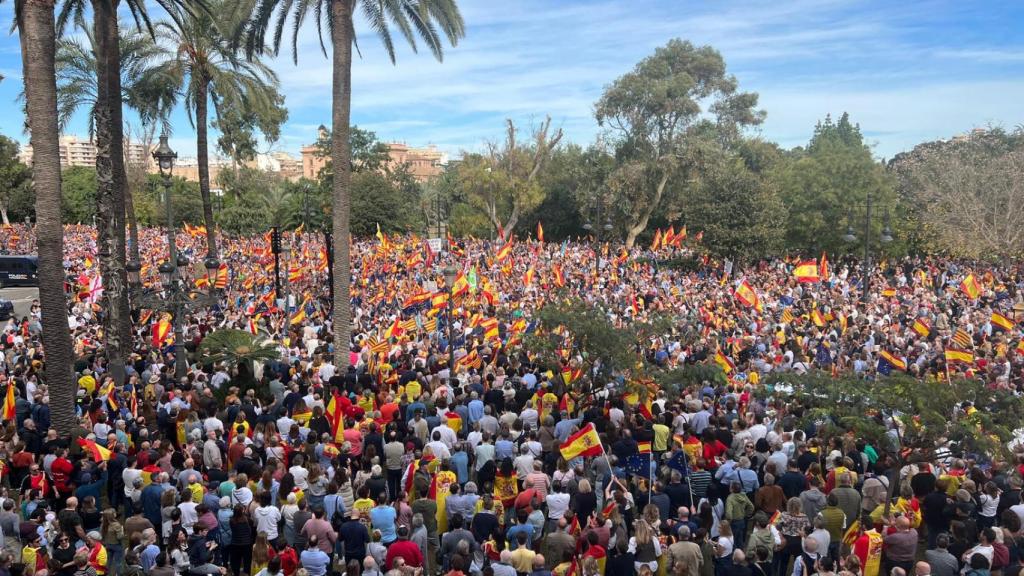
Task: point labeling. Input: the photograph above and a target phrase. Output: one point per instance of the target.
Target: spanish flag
(299, 316)
(416, 299)
(724, 361)
(893, 361)
(528, 277)
(817, 318)
(540, 232)
(99, 453)
(559, 278)
(643, 447)
(970, 287)
(747, 296)
(586, 442)
(806, 271)
(1001, 322)
(9, 400)
(505, 251)
(656, 243)
(823, 267)
(954, 355)
(460, 286)
(922, 327)
(160, 331)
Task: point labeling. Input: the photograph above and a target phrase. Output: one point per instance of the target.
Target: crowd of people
(404, 463)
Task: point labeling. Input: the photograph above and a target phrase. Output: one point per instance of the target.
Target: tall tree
(965, 193)
(15, 177)
(208, 69)
(433, 21)
(679, 93)
(149, 95)
(830, 181)
(37, 33)
(89, 75)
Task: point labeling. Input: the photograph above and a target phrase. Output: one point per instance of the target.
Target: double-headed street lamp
(175, 296)
(885, 238)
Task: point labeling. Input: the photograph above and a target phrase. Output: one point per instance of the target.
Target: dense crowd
(404, 464)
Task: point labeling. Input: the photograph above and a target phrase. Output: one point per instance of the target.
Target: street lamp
(174, 296)
(851, 237)
(286, 254)
(599, 232)
(450, 273)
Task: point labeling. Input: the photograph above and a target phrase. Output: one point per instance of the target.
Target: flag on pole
(747, 296)
(586, 442)
(1001, 322)
(540, 232)
(954, 356)
(970, 287)
(806, 271)
(724, 361)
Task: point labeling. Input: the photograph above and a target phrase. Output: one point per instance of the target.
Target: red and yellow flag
(99, 453)
(724, 361)
(9, 400)
(970, 287)
(954, 355)
(806, 271)
(540, 232)
(747, 296)
(1001, 322)
(586, 442)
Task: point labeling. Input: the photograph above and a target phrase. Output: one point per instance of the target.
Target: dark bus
(19, 271)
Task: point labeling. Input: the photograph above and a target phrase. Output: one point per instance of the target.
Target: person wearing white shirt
(299, 472)
(529, 417)
(523, 463)
(448, 435)
(438, 448)
(558, 503)
(188, 515)
(213, 424)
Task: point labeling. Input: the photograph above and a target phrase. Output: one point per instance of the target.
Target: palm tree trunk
(342, 36)
(202, 153)
(38, 43)
(109, 195)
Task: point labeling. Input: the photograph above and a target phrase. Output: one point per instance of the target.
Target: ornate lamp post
(174, 295)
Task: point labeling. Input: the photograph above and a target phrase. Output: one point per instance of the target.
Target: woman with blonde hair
(260, 552)
(723, 548)
(645, 546)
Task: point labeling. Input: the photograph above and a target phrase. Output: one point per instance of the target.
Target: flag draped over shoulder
(586, 442)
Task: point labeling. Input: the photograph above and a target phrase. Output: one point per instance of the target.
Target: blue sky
(906, 71)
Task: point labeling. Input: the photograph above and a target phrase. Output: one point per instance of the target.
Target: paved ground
(21, 297)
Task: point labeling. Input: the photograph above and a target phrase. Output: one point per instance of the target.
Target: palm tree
(78, 87)
(433, 21)
(207, 68)
(79, 73)
(37, 33)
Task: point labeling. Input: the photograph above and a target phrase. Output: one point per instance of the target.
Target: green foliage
(238, 127)
(963, 194)
(149, 205)
(679, 96)
(381, 199)
(689, 376)
(574, 180)
(78, 188)
(381, 193)
(234, 347)
(142, 88)
(829, 181)
(17, 199)
(739, 210)
(928, 414)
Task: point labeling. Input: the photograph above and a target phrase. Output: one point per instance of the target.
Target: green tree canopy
(828, 183)
(679, 94)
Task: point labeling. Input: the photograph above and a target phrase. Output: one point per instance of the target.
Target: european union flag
(884, 367)
(678, 462)
(640, 465)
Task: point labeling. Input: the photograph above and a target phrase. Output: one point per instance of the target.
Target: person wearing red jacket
(405, 549)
